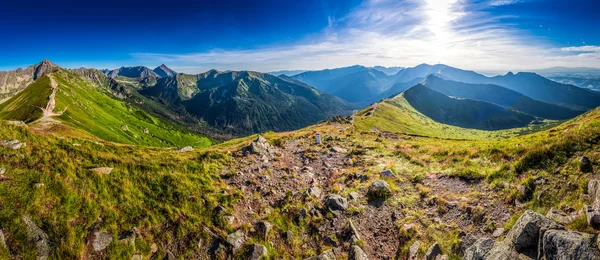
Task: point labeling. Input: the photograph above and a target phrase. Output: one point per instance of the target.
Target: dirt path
(47, 122)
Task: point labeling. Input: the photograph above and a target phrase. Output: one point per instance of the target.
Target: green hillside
(93, 110)
(397, 115)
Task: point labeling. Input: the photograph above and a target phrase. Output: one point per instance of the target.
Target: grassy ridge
(396, 115)
(25, 106)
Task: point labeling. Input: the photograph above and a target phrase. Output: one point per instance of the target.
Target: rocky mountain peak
(43, 68)
(164, 71)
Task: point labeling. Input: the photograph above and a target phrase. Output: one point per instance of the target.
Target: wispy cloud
(505, 2)
(399, 33)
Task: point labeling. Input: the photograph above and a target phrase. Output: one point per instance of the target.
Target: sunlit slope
(396, 115)
(93, 110)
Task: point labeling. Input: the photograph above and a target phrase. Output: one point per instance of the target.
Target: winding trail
(46, 122)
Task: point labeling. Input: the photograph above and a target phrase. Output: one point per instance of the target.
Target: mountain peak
(43, 68)
(164, 71)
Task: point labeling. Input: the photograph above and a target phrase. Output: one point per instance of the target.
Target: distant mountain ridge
(140, 72)
(13, 82)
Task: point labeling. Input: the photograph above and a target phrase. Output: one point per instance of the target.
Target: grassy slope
(398, 116)
(91, 110)
(169, 195)
(25, 106)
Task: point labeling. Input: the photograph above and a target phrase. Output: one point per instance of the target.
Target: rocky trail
(47, 122)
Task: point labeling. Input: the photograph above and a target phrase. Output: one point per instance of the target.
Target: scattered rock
(593, 216)
(433, 252)
(413, 250)
(258, 252)
(185, 149)
(336, 202)
(327, 255)
(145, 131)
(525, 193)
(2, 240)
(2, 171)
(260, 146)
(229, 219)
(127, 237)
(236, 240)
(289, 235)
(563, 244)
(358, 253)
(263, 228)
(488, 249)
(336, 149)
(17, 123)
(314, 191)
(379, 190)
(124, 128)
(38, 185)
(12, 144)
(153, 248)
(560, 216)
(539, 180)
(354, 235)
(102, 240)
(498, 233)
(137, 257)
(529, 228)
(38, 236)
(354, 195)
(388, 174)
(594, 190)
(101, 170)
(585, 165)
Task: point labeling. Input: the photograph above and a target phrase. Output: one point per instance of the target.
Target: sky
(269, 35)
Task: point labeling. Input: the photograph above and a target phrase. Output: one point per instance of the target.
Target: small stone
(145, 131)
(585, 165)
(258, 252)
(388, 174)
(102, 240)
(314, 191)
(498, 233)
(124, 128)
(229, 219)
(593, 216)
(2, 171)
(289, 235)
(336, 149)
(38, 185)
(433, 251)
(358, 253)
(12, 144)
(101, 170)
(379, 189)
(327, 255)
(413, 250)
(236, 240)
(354, 195)
(153, 248)
(336, 202)
(185, 149)
(263, 228)
(137, 257)
(2, 240)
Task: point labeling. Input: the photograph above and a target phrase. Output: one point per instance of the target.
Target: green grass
(148, 188)
(396, 115)
(26, 105)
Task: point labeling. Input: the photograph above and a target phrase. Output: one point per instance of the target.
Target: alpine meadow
(316, 129)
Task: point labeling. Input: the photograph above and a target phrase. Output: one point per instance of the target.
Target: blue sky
(194, 36)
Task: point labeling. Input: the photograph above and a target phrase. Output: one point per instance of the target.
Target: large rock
(379, 190)
(585, 165)
(260, 146)
(525, 234)
(358, 253)
(562, 244)
(102, 240)
(560, 216)
(488, 249)
(593, 216)
(336, 202)
(413, 250)
(327, 255)
(236, 240)
(12, 144)
(594, 190)
(36, 235)
(258, 252)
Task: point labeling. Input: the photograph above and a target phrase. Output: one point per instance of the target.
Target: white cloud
(397, 33)
(586, 48)
(505, 2)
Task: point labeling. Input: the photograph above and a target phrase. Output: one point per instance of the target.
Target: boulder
(101, 240)
(12, 144)
(388, 174)
(563, 244)
(36, 235)
(258, 252)
(488, 249)
(593, 216)
(101, 170)
(236, 240)
(466, 240)
(327, 255)
(594, 190)
(433, 252)
(379, 190)
(358, 254)
(336, 202)
(526, 233)
(585, 165)
(185, 149)
(260, 146)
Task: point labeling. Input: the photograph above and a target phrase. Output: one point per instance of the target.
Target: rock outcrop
(563, 244)
(36, 235)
